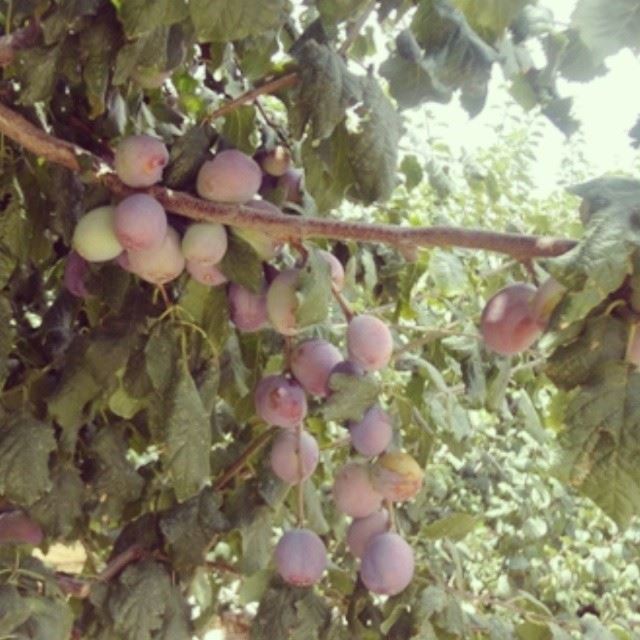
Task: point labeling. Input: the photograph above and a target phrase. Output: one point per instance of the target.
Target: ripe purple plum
(348, 368)
(353, 492)
(140, 222)
(248, 310)
(204, 242)
(369, 342)
(397, 476)
(76, 270)
(232, 176)
(301, 557)
(508, 324)
(362, 530)
(282, 302)
(94, 237)
(207, 274)
(337, 270)
(280, 401)
(294, 460)
(18, 528)
(290, 182)
(312, 362)
(277, 161)
(388, 564)
(140, 160)
(160, 265)
(371, 435)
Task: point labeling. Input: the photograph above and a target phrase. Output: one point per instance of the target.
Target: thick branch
(297, 228)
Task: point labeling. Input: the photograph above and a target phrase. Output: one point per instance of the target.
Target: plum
(18, 528)
(290, 182)
(76, 270)
(397, 476)
(207, 274)
(204, 242)
(362, 530)
(282, 302)
(353, 492)
(94, 237)
(140, 160)
(337, 270)
(388, 564)
(369, 342)
(280, 401)
(371, 435)
(277, 161)
(508, 324)
(290, 456)
(140, 222)
(160, 265)
(300, 557)
(232, 176)
(248, 310)
(312, 362)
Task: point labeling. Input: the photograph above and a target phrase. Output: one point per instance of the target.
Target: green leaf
(241, 264)
(13, 609)
(49, 619)
(256, 540)
(187, 154)
(313, 291)
(226, 20)
(412, 170)
(7, 337)
(491, 17)
(38, 72)
(455, 526)
(25, 444)
(208, 307)
(141, 16)
(160, 356)
(351, 396)
(239, 129)
(333, 11)
(188, 435)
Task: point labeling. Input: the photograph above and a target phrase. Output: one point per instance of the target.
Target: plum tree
(276, 161)
(18, 528)
(282, 302)
(140, 160)
(369, 342)
(294, 459)
(140, 222)
(312, 362)
(248, 310)
(371, 435)
(205, 243)
(388, 564)
(337, 270)
(280, 401)
(94, 237)
(362, 530)
(508, 324)
(397, 476)
(207, 274)
(232, 176)
(300, 557)
(76, 270)
(160, 265)
(353, 492)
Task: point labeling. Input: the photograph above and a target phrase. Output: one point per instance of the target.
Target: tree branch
(286, 227)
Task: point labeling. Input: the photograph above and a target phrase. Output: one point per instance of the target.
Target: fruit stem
(632, 354)
(344, 305)
(392, 515)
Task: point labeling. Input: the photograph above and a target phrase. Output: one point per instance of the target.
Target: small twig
(117, 564)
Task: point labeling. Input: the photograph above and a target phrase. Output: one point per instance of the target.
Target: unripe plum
(508, 324)
(353, 492)
(232, 176)
(140, 222)
(397, 476)
(248, 310)
(76, 269)
(280, 401)
(371, 435)
(140, 160)
(207, 274)
(312, 362)
(282, 302)
(369, 342)
(362, 530)
(300, 557)
(277, 161)
(204, 242)
(290, 456)
(337, 270)
(18, 528)
(159, 265)
(291, 184)
(94, 237)
(387, 564)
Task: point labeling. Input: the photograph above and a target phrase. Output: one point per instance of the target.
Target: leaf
(38, 72)
(67, 18)
(313, 291)
(7, 337)
(188, 528)
(455, 526)
(50, 618)
(241, 264)
(333, 11)
(25, 444)
(491, 17)
(188, 435)
(412, 170)
(601, 442)
(141, 16)
(256, 540)
(187, 154)
(351, 396)
(226, 20)
(239, 127)
(13, 609)
(208, 307)
(160, 356)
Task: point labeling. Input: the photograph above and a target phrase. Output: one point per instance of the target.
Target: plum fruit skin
(387, 565)
(17, 527)
(397, 476)
(280, 401)
(362, 530)
(248, 310)
(353, 492)
(311, 364)
(282, 302)
(206, 274)
(140, 160)
(76, 269)
(285, 454)
(140, 222)
(232, 176)
(300, 557)
(94, 237)
(161, 265)
(205, 242)
(290, 183)
(369, 342)
(371, 435)
(277, 161)
(337, 270)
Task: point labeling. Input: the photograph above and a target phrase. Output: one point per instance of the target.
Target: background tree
(139, 403)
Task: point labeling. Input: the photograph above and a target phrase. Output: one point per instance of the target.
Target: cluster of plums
(360, 488)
